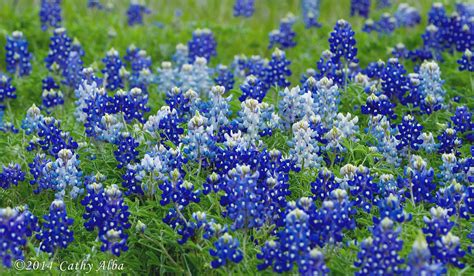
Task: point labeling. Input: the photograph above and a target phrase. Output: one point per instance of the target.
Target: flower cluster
(11, 175)
(50, 14)
(311, 10)
(284, 37)
(135, 13)
(244, 8)
(107, 211)
(18, 57)
(16, 224)
(55, 231)
(202, 45)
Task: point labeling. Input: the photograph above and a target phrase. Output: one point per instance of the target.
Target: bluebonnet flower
(219, 110)
(178, 191)
(335, 215)
(7, 90)
(73, 71)
(311, 10)
(462, 120)
(133, 104)
(167, 77)
(342, 43)
(381, 129)
(202, 45)
(449, 141)
(409, 133)
(369, 26)
(106, 210)
(256, 120)
(375, 70)
(135, 12)
(55, 232)
(154, 168)
(126, 152)
(466, 62)
(17, 225)
(244, 8)
(243, 199)
(113, 65)
(284, 37)
(419, 261)
(51, 95)
(166, 123)
(11, 175)
(32, 120)
(256, 66)
(447, 169)
(293, 247)
(61, 174)
(6, 126)
(390, 207)
(59, 49)
(444, 246)
(253, 88)
(51, 139)
(278, 70)
(324, 184)
(360, 7)
(97, 121)
(326, 100)
(226, 250)
(394, 81)
(201, 79)
(379, 254)
(17, 56)
(433, 41)
(199, 141)
(115, 221)
(431, 87)
(437, 226)
(400, 51)
(386, 24)
(304, 146)
(429, 144)
(376, 105)
(407, 16)
(453, 199)
(224, 77)
(180, 57)
(50, 14)
(419, 180)
(294, 105)
(363, 188)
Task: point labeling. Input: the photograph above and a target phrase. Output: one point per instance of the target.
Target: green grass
(156, 251)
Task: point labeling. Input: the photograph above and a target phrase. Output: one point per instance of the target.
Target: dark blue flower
(244, 8)
(390, 207)
(253, 88)
(226, 250)
(7, 90)
(466, 62)
(419, 261)
(202, 44)
(394, 80)
(55, 232)
(409, 133)
(50, 14)
(378, 105)
(224, 77)
(342, 43)
(324, 184)
(277, 70)
(360, 7)
(449, 142)
(16, 225)
(284, 37)
(11, 175)
(135, 13)
(59, 48)
(18, 58)
(126, 152)
(379, 254)
(178, 191)
(112, 71)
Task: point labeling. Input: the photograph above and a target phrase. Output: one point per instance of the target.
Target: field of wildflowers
(242, 137)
